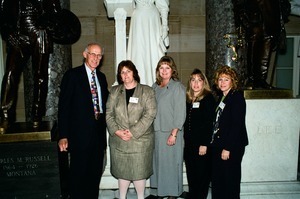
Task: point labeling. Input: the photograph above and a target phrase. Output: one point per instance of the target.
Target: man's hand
(63, 144)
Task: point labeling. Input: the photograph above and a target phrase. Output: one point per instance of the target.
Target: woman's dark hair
(128, 64)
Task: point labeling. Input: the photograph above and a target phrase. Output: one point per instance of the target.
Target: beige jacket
(137, 117)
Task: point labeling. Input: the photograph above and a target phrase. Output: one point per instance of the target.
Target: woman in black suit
(200, 107)
(229, 136)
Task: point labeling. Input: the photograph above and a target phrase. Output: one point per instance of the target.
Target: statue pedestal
(29, 166)
(119, 10)
(268, 94)
(112, 5)
(273, 129)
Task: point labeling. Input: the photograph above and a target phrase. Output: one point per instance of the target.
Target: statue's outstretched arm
(163, 8)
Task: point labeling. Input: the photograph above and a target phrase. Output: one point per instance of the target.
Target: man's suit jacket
(76, 119)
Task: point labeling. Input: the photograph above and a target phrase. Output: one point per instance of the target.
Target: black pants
(85, 174)
(226, 174)
(198, 170)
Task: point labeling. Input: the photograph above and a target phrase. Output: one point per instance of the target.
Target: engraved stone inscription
(268, 130)
(29, 170)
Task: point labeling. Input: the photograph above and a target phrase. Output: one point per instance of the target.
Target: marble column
(119, 10)
(60, 61)
(224, 43)
(120, 16)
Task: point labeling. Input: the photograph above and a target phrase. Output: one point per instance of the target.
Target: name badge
(134, 100)
(196, 104)
(222, 105)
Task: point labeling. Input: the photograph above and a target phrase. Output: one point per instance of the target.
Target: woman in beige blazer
(131, 109)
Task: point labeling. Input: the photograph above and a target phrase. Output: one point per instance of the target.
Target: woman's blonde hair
(205, 90)
(226, 70)
(169, 61)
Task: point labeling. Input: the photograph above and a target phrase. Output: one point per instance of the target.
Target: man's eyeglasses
(98, 56)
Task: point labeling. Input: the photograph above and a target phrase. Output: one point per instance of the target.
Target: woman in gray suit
(168, 126)
(131, 109)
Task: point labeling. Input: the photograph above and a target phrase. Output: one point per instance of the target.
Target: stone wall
(187, 37)
(187, 34)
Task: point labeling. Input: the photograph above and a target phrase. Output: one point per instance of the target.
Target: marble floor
(261, 190)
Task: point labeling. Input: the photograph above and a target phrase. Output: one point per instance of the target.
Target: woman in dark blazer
(229, 136)
(131, 108)
(200, 109)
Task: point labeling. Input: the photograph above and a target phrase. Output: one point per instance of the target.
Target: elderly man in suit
(81, 123)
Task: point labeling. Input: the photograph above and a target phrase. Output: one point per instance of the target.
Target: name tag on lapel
(134, 100)
(222, 105)
(196, 104)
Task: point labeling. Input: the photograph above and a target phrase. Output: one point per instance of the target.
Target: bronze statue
(263, 24)
(29, 28)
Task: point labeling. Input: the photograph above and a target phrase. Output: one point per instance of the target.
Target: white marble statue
(295, 7)
(148, 37)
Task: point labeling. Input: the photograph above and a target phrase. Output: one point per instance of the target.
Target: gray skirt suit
(168, 160)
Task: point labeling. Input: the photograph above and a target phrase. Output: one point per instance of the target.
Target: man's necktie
(95, 96)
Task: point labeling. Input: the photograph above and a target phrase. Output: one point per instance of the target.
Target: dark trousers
(198, 170)
(85, 174)
(226, 174)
